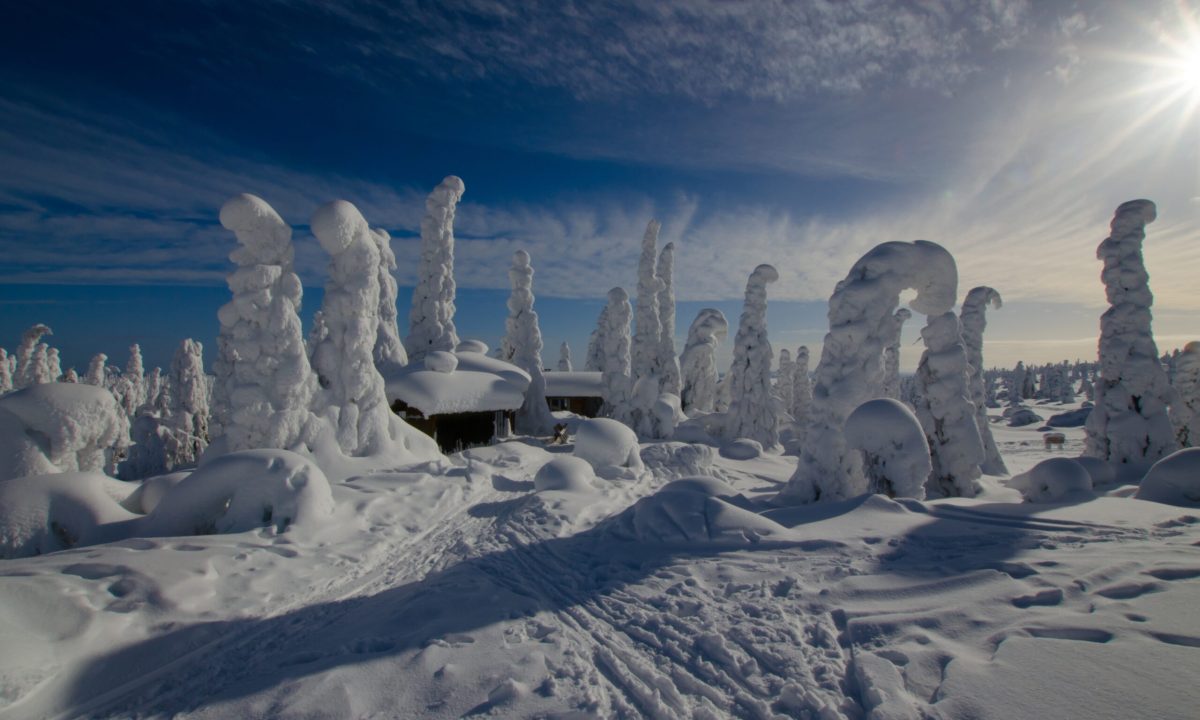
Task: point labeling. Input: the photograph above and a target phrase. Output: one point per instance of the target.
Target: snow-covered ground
(457, 590)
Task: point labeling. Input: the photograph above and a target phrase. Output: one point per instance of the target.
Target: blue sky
(795, 133)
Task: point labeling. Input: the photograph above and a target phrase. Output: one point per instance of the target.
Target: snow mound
(1054, 480)
(441, 361)
(1022, 417)
(688, 512)
(243, 491)
(150, 493)
(45, 513)
(742, 449)
(896, 452)
(472, 346)
(1073, 418)
(1174, 480)
(606, 444)
(564, 473)
(57, 427)
(678, 458)
(1102, 473)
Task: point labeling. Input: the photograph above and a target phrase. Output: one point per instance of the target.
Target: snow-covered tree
(1016, 385)
(431, 320)
(189, 410)
(973, 318)
(523, 340)
(69, 376)
(1129, 423)
(53, 365)
(946, 412)
(40, 367)
(154, 387)
(343, 355)
(6, 380)
(595, 349)
(645, 348)
(668, 361)
(389, 348)
(1087, 389)
(784, 377)
(134, 381)
(751, 408)
(26, 368)
(699, 361)
(564, 357)
(96, 373)
(801, 390)
(850, 371)
(615, 343)
(264, 384)
(891, 354)
(1185, 411)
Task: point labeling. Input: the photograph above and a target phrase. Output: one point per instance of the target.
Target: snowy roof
(478, 384)
(574, 384)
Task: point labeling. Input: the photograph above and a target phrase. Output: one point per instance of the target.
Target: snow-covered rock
(1022, 416)
(46, 513)
(58, 427)
(606, 443)
(1054, 480)
(243, 491)
(564, 473)
(1174, 480)
(896, 452)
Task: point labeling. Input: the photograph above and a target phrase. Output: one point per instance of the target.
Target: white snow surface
(896, 453)
(474, 383)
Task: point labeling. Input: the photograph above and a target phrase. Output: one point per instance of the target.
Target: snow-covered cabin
(580, 392)
(460, 398)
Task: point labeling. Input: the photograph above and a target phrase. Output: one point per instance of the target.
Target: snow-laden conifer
(431, 319)
(594, 360)
(1185, 411)
(69, 376)
(751, 411)
(850, 371)
(784, 377)
(698, 364)
(26, 368)
(645, 348)
(973, 318)
(801, 390)
(564, 357)
(40, 367)
(96, 374)
(523, 343)
(343, 356)
(615, 340)
(53, 365)
(189, 407)
(946, 412)
(1129, 423)
(389, 348)
(891, 354)
(668, 361)
(264, 384)
(6, 380)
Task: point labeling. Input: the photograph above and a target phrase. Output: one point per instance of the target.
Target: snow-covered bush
(1054, 480)
(973, 320)
(58, 427)
(47, 513)
(1185, 411)
(614, 350)
(668, 361)
(243, 491)
(1174, 480)
(850, 372)
(264, 384)
(606, 444)
(522, 346)
(1129, 423)
(751, 408)
(891, 354)
(564, 357)
(896, 455)
(946, 412)
(564, 473)
(699, 364)
(431, 319)
(389, 348)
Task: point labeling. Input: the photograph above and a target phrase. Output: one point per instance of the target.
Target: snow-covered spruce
(594, 361)
(645, 347)
(6, 379)
(784, 377)
(751, 408)
(189, 416)
(801, 390)
(973, 320)
(389, 348)
(132, 393)
(891, 354)
(264, 384)
(523, 347)
(850, 371)
(342, 349)
(59, 427)
(614, 341)
(96, 373)
(1185, 411)
(698, 364)
(27, 368)
(946, 412)
(431, 319)
(668, 361)
(564, 357)
(896, 455)
(1129, 423)
(53, 365)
